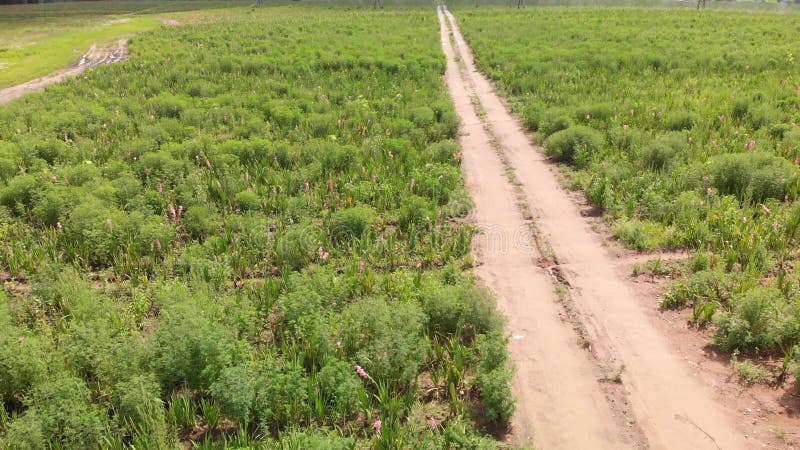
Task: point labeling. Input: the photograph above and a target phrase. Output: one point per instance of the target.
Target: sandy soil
(668, 403)
(556, 385)
(93, 58)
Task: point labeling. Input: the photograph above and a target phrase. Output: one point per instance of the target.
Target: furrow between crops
(559, 398)
(674, 409)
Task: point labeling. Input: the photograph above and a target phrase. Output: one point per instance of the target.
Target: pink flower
(709, 191)
(361, 372)
(625, 126)
(325, 256)
(180, 210)
(53, 179)
(751, 145)
(361, 266)
(208, 163)
(377, 425)
(172, 211)
(320, 251)
(160, 188)
(432, 422)
(58, 226)
(308, 186)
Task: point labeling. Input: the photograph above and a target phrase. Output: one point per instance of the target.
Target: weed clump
(351, 223)
(752, 177)
(681, 120)
(574, 146)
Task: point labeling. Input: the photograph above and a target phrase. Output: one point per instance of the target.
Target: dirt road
(560, 396)
(93, 58)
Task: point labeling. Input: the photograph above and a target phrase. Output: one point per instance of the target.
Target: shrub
(23, 362)
(575, 145)
(190, 348)
(740, 108)
(139, 408)
(422, 116)
(497, 399)
(638, 235)
(60, 414)
(248, 201)
(461, 309)
(315, 440)
(235, 390)
(681, 120)
(494, 378)
(700, 287)
(659, 154)
(443, 152)
(751, 177)
(199, 222)
(753, 321)
(415, 213)
(351, 223)
(761, 116)
(779, 130)
(552, 121)
(386, 339)
(531, 115)
(296, 245)
(599, 111)
(340, 388)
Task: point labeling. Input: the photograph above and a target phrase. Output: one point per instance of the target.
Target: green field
(39, 39)
(682, 127)
(202, 243)
(254, 232)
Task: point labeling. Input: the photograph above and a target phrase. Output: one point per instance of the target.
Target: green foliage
(415, 214)
(296, 245)
(190, 348)
(340, 387)
(574, 145)
(248, 201)
(700, 287)
(460, 309)
(351, 223)
(759, 319)
(217, 234)
(681, 120)
(59, 412)
(494, 379)
(387, 339)
(752, 177)
(140, 411)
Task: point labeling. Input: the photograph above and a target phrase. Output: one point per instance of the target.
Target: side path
(674, 409)
(93, 58)
(559, 402)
